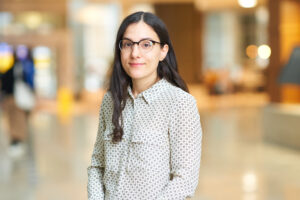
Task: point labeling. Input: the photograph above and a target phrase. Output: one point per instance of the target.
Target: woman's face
(139, 64)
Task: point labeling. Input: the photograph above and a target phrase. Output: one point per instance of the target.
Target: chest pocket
(149, 150)
(112, 152)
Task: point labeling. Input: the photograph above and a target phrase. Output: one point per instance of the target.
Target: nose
(135, 52)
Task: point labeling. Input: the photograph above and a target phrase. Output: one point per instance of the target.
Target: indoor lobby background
(240, 58)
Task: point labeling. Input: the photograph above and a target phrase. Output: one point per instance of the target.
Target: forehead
(140, 30)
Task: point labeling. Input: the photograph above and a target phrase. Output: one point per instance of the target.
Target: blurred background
(240, 58)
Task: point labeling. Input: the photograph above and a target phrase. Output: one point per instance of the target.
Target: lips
(136, 64)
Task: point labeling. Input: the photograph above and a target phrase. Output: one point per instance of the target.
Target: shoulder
(107, 97)
(176, 94)
(107, 101)
(182, 105)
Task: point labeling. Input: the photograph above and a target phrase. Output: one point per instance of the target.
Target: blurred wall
(284, 34)
(184, 24)
(58, 6)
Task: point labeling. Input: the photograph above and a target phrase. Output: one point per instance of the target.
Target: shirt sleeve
(95, 186)
(185, 134)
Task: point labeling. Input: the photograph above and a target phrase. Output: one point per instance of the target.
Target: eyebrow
(147, 38)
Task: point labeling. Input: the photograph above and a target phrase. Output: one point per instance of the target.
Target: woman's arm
(185, 145)
(95, 171)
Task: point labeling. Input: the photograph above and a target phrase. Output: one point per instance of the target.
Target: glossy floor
(236, 164)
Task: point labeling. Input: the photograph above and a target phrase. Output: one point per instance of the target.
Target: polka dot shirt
(159, 155)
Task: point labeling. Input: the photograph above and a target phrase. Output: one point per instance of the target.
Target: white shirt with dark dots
(159, 155)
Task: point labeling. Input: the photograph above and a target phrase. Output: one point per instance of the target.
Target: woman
(148, 145)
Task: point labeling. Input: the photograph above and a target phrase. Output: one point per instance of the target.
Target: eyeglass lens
(144, 45)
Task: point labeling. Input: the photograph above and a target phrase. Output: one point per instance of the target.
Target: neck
(139, 86)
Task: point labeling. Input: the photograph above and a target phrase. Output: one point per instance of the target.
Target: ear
(163, 52)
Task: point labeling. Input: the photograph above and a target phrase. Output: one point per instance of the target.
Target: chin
(136, 75)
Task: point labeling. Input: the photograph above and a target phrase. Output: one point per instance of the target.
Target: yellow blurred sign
(6, 63)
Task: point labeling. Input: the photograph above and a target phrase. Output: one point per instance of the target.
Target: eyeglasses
(145, 45)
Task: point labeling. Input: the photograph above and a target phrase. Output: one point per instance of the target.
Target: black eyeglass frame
(138, 43)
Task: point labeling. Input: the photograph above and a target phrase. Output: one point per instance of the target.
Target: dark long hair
(119, 80)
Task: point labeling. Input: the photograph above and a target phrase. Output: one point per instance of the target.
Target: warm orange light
(251, 51)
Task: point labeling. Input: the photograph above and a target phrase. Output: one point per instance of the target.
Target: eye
(146, 44)
(126, 44)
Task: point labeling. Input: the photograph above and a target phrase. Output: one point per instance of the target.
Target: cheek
(123, 61)
(153, 58)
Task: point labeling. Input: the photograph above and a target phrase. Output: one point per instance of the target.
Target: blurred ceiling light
(247, 3)
(96, 14)
(89, 14)
(33, 20)
(264, 51)
(251, 51)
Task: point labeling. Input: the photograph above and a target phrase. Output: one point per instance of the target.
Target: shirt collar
(151, 93)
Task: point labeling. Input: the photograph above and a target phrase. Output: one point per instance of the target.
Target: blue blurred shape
(291, 72)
